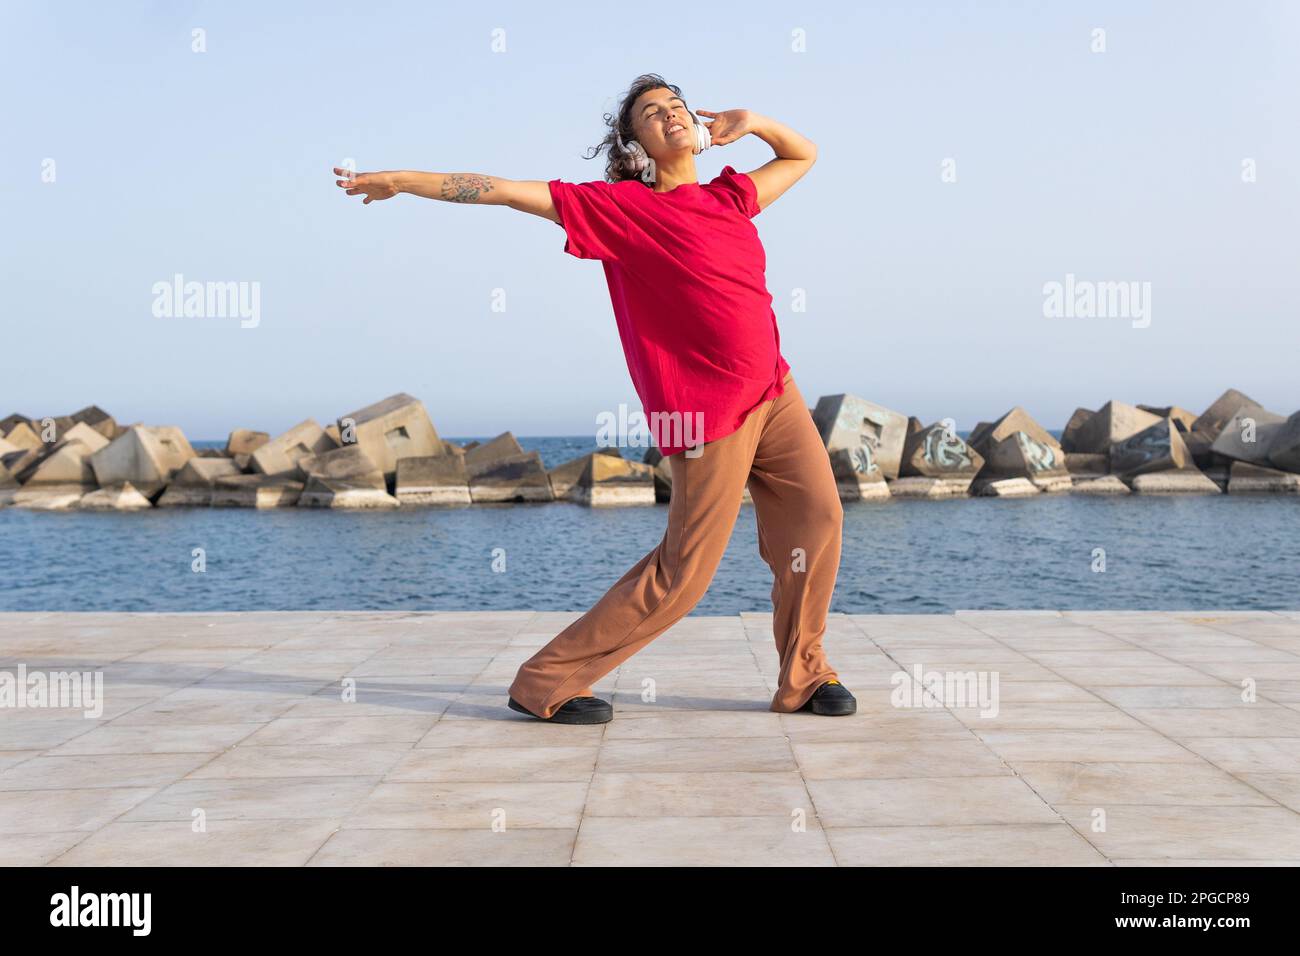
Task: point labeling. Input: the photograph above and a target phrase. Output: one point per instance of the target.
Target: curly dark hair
(618, 162)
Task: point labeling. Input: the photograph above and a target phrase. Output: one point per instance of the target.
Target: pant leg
(662, 587)
(800, 523)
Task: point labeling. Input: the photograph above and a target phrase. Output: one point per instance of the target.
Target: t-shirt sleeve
(591, 217)
(739, 189)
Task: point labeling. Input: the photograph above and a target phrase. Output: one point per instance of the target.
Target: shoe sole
(824, 708)
(592, 717)
(834, 710)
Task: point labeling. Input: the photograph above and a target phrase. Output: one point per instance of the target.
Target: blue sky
(924, 295)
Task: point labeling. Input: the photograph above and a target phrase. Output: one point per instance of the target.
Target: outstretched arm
(527, 195)
(795, 154)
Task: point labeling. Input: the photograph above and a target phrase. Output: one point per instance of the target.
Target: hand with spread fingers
(371, 185)
(729, 125)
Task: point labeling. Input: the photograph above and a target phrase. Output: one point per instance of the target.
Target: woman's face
(662, 124)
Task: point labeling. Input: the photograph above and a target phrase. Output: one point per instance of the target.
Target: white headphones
(641, 161)
(703, 138)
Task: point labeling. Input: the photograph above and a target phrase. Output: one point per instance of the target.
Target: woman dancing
(686, 276)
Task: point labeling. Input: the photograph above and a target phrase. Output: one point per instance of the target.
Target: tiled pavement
(1120, 738)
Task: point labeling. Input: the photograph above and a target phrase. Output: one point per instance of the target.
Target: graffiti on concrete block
(1136, 451)
(864, 455)
(944, 450)
(864, 459)
(1040, 457)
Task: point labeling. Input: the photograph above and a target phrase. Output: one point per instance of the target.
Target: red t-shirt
(686, 278)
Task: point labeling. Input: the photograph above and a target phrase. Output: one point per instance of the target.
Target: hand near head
(371, 185)
(729, 125)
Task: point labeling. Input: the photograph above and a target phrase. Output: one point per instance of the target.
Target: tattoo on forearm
(465, 187)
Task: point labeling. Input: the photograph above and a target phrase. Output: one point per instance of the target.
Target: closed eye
(659, 109)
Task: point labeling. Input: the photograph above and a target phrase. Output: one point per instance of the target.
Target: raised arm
(795, 153)
(527, 195)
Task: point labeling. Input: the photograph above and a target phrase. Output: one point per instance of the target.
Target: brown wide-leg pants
(779, 454)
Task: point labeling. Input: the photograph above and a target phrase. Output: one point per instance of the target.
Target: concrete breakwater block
(1082, 465)
(245, 441)
(10, 422)
(1020, 455)
(865, 442)
(1157, 448)
(1096, 432)
(255, 491)
(936, 451)
(1284, 452)
(1103, 485)
(16, 462)
(918, 487)
(1249, 435)
(123, 497)
(985, 435)
(67, 461)
(1053, 483)
(391, 429)
(1212, 421)
(346, 477)
(439, 480)
(565, 476)
(1016, 446)
(22, 435)
(604, 479)
(1005, 488)
(500, 470)
(663, 472)
(146, 456)
(1244, 478)
(192, 486)
(873, 435)
(50, 497)
(857, 476)
(613, 482)
(1200, 450)
(1076, 421)
(280, 456)
(344, 493)
(98, 419)
(1183, 419)
(1186, 481)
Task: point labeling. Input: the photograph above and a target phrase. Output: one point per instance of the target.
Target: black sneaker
(832, 699)
(575, 710)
